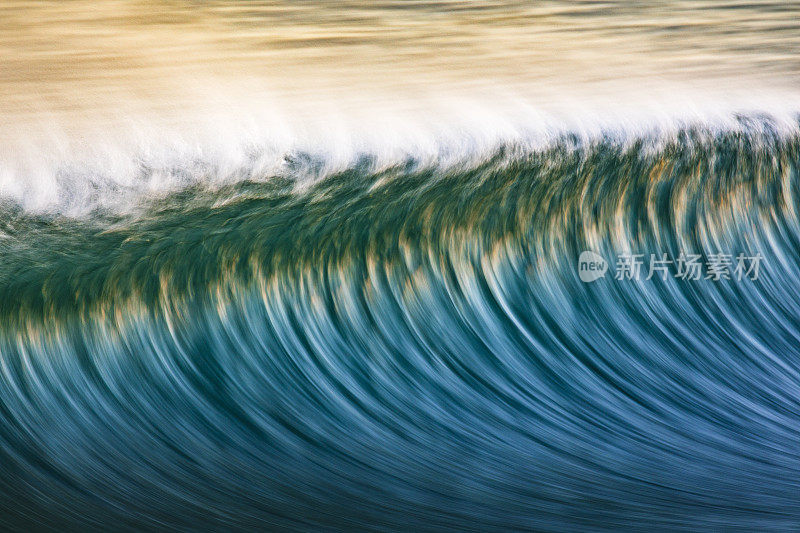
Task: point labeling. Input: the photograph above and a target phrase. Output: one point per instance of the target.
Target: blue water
(411, 348)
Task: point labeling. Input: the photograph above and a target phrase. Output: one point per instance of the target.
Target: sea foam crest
(49, 166)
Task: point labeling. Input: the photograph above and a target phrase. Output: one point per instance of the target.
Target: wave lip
(76, 169)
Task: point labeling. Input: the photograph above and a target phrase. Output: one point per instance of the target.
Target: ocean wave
(410, 345)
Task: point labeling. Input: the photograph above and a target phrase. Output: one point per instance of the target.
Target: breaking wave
(409, 345)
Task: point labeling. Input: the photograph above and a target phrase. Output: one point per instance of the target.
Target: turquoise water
(413, 348)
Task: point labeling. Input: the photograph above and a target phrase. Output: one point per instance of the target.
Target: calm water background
(79, 55)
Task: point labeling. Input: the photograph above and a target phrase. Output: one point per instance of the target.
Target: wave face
(412, 347)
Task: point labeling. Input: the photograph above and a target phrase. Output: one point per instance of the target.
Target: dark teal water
(412, 348)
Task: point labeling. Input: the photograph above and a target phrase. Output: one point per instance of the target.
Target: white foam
(56, 162)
